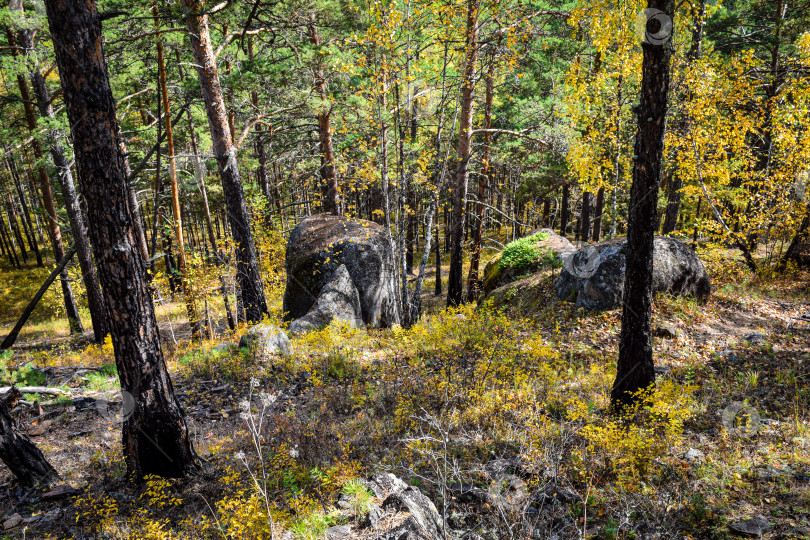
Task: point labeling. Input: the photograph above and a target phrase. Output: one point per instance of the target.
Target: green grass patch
(524, 252)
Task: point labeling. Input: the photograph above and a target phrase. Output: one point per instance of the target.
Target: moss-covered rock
(524, 297)
(540, 249)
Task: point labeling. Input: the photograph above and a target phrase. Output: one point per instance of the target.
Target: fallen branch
(12, 336)
(35, 390)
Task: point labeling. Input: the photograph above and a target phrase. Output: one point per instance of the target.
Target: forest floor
(460, 405)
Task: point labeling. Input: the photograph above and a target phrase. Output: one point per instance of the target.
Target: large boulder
(593, 276)
(338, 299)
(317, 248)
(548, 245)
(265, 340)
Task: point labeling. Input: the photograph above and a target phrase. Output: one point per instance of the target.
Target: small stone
(769, 472)
(753, 526)
(508, 492)
(36, 431)
(12, 521)
(224, 347)
(755, 338)
(344, 502)
(499, 466)
(666, 332)
(560, 494)
(693, 454)
(338, 531)
(53, 514)
(730, 356)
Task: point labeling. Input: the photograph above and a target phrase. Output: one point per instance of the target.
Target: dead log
(21, 455)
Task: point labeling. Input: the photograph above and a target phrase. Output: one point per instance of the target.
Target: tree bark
(455, 280)
(247, 267)
(635, 370)
(155, 436)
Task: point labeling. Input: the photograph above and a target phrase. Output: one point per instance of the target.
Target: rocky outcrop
(497, 275)
(265, 340)
(404, 512)
(342, 268)
(593, 276)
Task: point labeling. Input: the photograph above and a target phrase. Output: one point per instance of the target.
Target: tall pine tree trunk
(455, 279)
(599, 212)
(191, 309)
(155, 436)
(14, 225)
(585, 217)
(565, 203)
(486, 172)
(635, 370)
(247, 267)
(331, 202)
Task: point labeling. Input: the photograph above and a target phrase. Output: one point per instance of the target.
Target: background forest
(461, 127)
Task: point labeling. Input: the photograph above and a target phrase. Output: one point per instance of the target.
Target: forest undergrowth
(284, 442)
